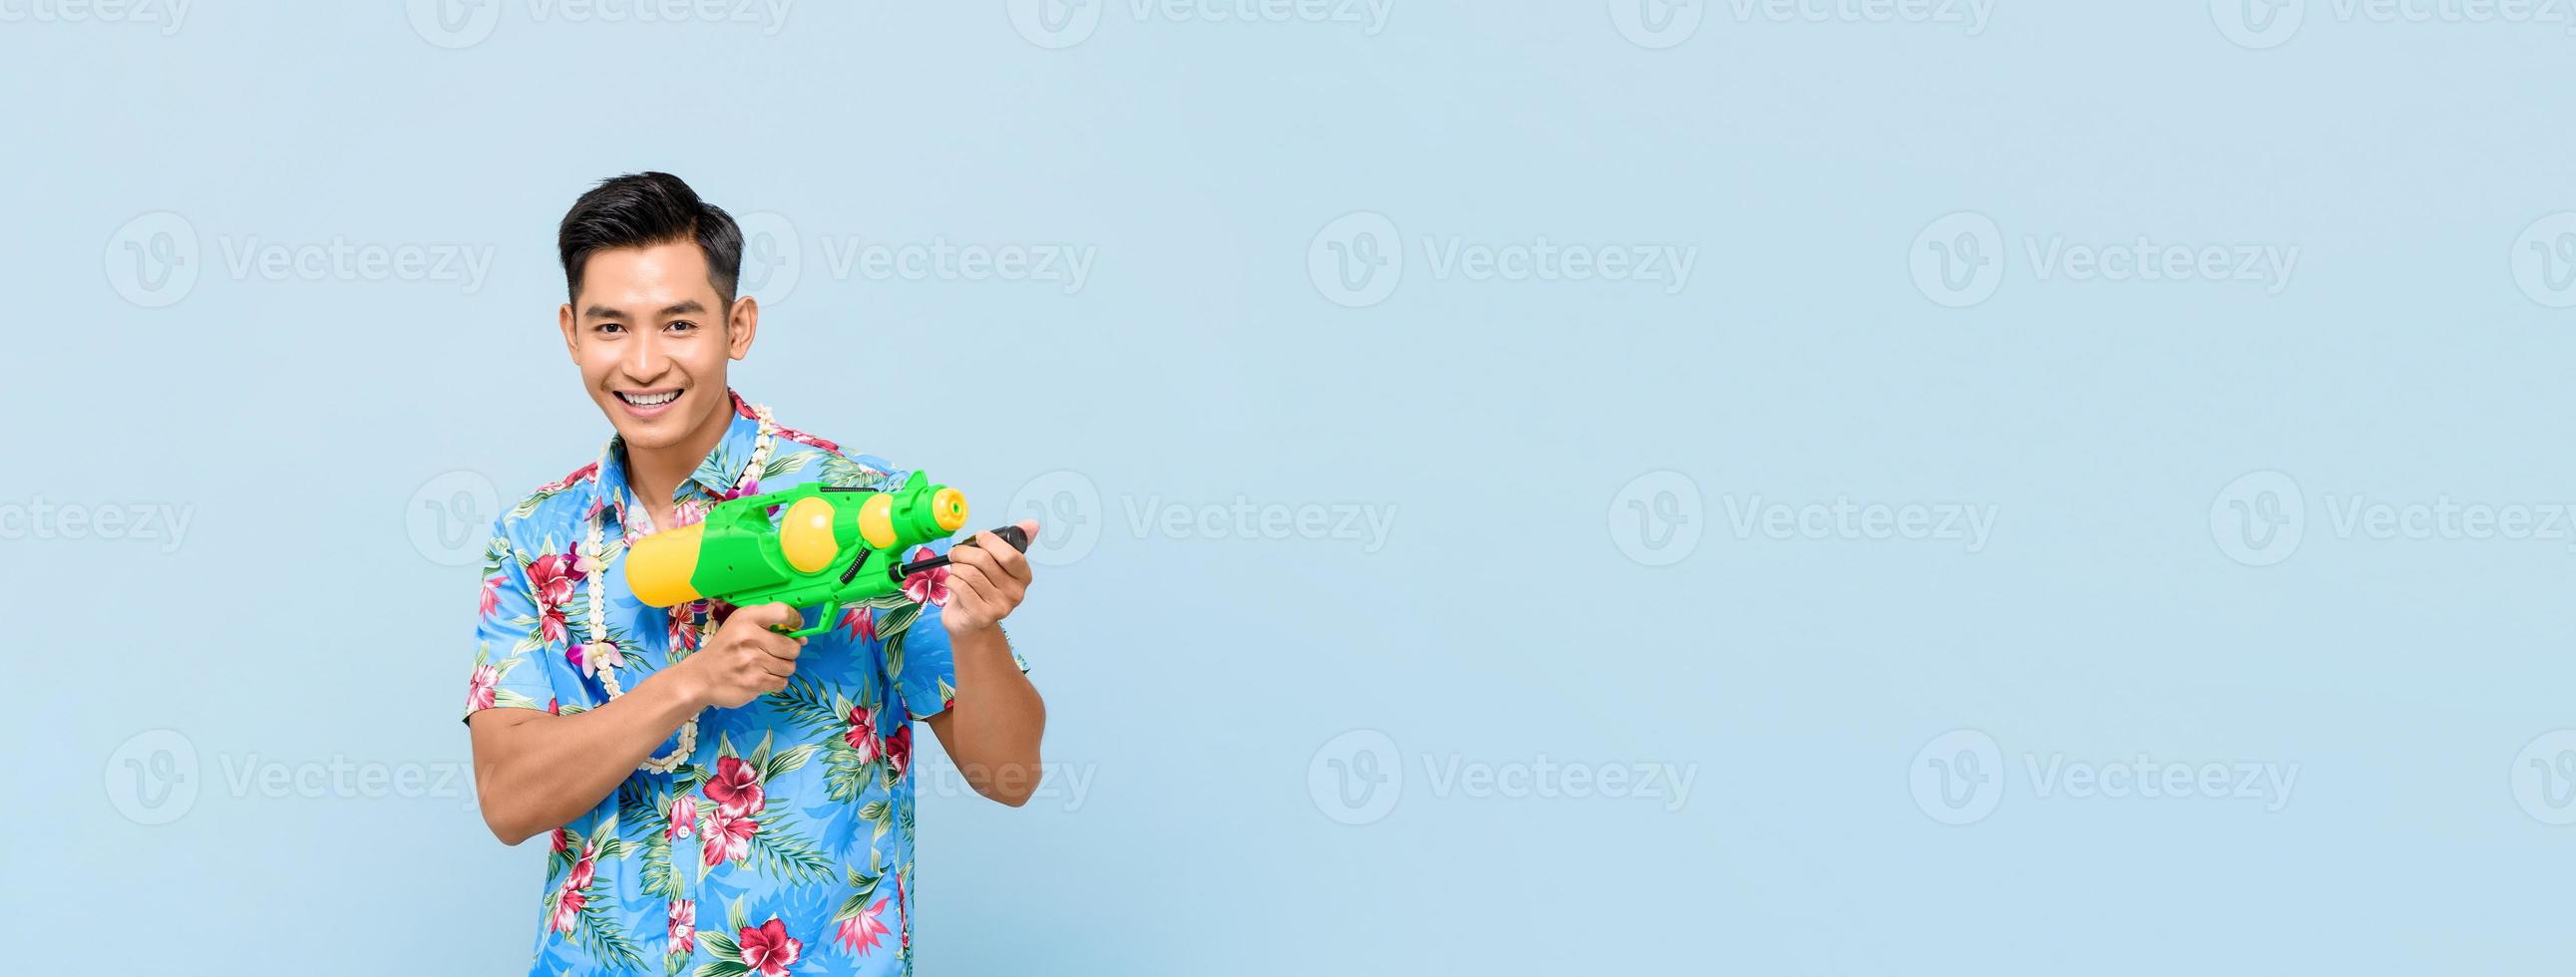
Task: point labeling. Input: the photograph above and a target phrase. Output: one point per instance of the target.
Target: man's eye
(682, 325)
(609, 327)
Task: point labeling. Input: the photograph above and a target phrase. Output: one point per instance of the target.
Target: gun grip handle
(822, 622)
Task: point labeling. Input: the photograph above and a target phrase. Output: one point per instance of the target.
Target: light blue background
(1193, 681)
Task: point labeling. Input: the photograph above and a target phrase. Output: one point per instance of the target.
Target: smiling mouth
(652, 399)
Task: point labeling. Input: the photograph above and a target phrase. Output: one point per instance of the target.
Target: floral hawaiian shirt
(784, 841)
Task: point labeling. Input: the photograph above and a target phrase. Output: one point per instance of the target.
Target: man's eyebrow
(688, 307)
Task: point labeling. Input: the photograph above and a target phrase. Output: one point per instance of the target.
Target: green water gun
(827, 547)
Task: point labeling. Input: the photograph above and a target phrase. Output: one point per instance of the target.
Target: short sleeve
(509, 637)
(917, 658)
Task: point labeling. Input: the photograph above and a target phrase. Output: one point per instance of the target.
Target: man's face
(651, 337)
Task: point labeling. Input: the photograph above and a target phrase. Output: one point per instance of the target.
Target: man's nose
(645, 358)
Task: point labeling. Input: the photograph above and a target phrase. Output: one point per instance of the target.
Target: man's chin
(646, 437)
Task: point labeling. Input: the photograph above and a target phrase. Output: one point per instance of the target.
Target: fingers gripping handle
(1014, 535)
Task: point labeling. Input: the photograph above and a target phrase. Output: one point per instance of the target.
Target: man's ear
(740, 325)
(563, 319)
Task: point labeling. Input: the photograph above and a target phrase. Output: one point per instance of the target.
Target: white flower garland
(601, 657)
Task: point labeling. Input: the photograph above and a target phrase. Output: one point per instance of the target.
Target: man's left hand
(986, 581)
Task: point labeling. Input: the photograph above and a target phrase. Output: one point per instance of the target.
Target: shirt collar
(715, 476)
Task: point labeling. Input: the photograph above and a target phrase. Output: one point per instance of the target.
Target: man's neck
(656, 473)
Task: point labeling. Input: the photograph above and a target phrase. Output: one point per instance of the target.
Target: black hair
(642, 209)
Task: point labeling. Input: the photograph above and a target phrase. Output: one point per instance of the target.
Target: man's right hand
(534, 771)
(745, 660)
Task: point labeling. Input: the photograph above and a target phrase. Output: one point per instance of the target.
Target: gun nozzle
(948, 509)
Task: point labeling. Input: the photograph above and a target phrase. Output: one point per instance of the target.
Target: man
(722, 799)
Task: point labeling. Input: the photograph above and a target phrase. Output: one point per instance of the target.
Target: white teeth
(650, 400)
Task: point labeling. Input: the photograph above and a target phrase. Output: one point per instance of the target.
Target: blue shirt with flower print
(783, 842)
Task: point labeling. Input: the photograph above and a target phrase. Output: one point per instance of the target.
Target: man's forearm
(997, 721)
(535, 772)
